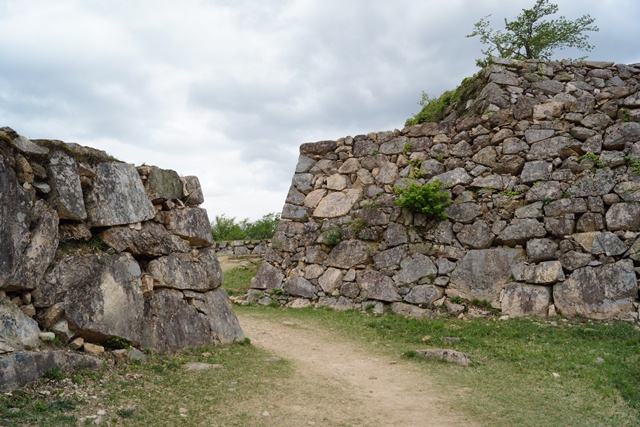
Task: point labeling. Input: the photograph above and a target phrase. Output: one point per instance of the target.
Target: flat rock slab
(447, 355)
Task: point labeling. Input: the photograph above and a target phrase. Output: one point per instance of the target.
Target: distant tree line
(224, 228)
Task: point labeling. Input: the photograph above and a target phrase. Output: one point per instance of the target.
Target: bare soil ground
(339, 384)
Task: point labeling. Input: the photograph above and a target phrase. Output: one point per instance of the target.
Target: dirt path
(339, 384)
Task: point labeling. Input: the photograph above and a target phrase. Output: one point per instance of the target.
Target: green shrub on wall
(428, 199)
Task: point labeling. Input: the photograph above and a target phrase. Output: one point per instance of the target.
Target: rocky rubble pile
(95, 248)
(543, 167)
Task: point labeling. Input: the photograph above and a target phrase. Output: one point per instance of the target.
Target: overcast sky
(228, 89)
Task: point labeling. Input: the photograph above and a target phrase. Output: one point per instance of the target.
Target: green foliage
(437, 109)
(115, 343)
(634, 164)
(428, 199)
(224, 228)
(332, 236)
(238, 280)
(593, 158)
(531, 37)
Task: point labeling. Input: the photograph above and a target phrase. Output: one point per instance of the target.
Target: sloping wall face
(543, 168)
(95, 248)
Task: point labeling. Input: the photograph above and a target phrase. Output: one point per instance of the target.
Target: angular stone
(408, 310)
(451, 356)
(519, 231)
(293, 212)
(565, 206)
(170, 323)
(330, 280)
(117, 197)
(535, 135)
(623, 216)
(191, 224)
(463, 212)
(541, 250)
(573, 260)
(415, 268)
(536, 171)
(547, 111)
(375, 285)
(509, 165)
(198, 271)
(596, 121)
(389, 258)
(15, 211)
(424, 294)
(337, 182)
(300, 287)
(560, 226)
(395, 234)
(337, 204)
(163, 184)
(387, 173)
(534, 210)
(452, 178)
(496, 182)
(590, 222)
(559, 146)
(618, 135)
(430, 168)
(67, 194)
(518, 300)
(476, 236)
(101, 294)
(152, 240)
(348, 254)
(40, 250)
(545, 273)
(267, 277)
(544, 191)
(351, 165)
(592, 183)
(598, 243)
(16, 329)
(320, 147)
(314, 197)
(482, 273)
(303, 182)
(304, 164)
(194, 196)
(604, 292)
(486, 156)
(294, 197)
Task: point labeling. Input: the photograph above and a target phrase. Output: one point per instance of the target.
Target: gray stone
(387, 173)
(117, 197)
(67, 194)
(375, 285)
(194, 196)
(320, 147)
(395, 235)
(348, 254)
(294, 197)
(482, 273)
(151, 240)
(476, 236)
(198, 271)
(623, 216)
(551, 87)
(560, 226)
(293, 212)
(535, 135)
(445, 266)
(573, 260)
(486, 156)
(545, 273)
(330, 280)
(463, 212)
(389, 258)
(268, 277)
(590, 222)
(581, 133)
(597, 243)
(15, 211)
(101, 294)
(618, 135)
(536, 171)
(17, 331)
(424, 294)
(447, 355)
(20, 368)
(544, 191)
(509, 165)
(408, 310)
(430, 168)
(603, 292)
(337, 204)
(565, 206)
(191, 224)
(518, 300)
(300, 287)
(596, 121)
(163, 184)
(415, 268)
(519, 231)
(541, 250)
(533, 210)
(559, 146)
(592, 183)
(303, 182)
(39, 252)
(304, 164)
(452, 178)
(351, 165)
(548, 110)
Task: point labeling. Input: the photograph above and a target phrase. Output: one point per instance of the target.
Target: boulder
(117, 197)
(375, 285)
(520, 231)
(151, 240)
(415, 268)
(604, 292)
(623, 216)
(517, 300)
(337, 204)
(300, 287)
(17, 331)
(476, 236)
(348, 254)
(545, 273)
(267, 277)
(193, 196)
(197, 270)
(424, 294)
(191, 224)
(215, 305)
(600, 242)
(163, 184)
(482, 273)
(66, 194)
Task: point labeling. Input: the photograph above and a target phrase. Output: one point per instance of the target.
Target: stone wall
(95, 248)
(543, 167)
(242, 247)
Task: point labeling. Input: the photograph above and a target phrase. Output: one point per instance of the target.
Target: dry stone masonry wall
(95, 248)
(543, 167)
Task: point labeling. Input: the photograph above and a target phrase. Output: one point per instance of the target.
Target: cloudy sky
(228, 89)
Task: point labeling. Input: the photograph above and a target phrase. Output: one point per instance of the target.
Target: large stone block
(17, 331)
(191, 224)
(482, 273)
(375, 285)
(603, 292)
(519, 300)
(163, 184)
(337, 204)
(217, 308)
(348, 254)
(520, 231)
(151, 240)
(67, 194)
(415, 268)
(197, 270)
(117, 197)
(268, 277)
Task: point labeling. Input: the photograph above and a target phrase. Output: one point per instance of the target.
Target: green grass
(237, 280)
(511, 381)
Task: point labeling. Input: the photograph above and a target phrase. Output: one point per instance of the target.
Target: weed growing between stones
(428, 199)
